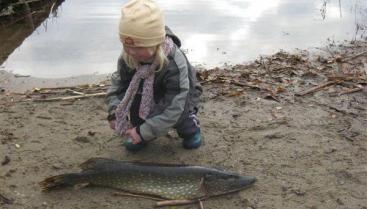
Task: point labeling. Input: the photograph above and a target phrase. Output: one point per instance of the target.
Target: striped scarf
(146, 73)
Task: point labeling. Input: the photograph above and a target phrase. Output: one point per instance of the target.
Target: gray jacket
(176, 92)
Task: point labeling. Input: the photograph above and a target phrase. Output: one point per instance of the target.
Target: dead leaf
(236, 92)
(280, 89)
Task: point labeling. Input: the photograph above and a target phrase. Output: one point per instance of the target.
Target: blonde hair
(159, 55)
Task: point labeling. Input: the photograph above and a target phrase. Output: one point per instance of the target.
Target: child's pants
(186, 129)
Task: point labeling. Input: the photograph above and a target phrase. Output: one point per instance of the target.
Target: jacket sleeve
(177, 89)
(119, 84)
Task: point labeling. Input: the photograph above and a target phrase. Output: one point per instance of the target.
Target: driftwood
(316, 88)
(19, 19)
(124, 194)
(74, 92)
(242, 84)
(161, 202)
(201, 205)
(349, 91)
(355, 56)
(5, 200)
(175, 202)
(29, 16)
(55, 88)
(52, 9)
(21, 76)
(70, 97)
(25, 2)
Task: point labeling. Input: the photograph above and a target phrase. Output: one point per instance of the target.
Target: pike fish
(166, 181)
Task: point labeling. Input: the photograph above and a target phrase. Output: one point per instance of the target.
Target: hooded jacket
(176, 92)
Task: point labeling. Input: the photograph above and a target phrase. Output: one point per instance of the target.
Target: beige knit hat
(141, 24)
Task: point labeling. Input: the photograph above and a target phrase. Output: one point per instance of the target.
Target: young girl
(154, 88)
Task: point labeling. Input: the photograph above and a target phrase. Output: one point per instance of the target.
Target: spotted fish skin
(161, 180)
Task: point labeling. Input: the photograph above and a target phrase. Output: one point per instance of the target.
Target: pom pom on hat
(141, 24)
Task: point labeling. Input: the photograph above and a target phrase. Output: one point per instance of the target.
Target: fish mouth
(246, 182)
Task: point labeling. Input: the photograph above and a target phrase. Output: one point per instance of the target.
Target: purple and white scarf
(145, 72)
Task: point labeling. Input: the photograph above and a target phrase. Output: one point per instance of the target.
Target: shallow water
(83, 38)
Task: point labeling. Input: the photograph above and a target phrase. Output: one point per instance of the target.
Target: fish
(165, 181)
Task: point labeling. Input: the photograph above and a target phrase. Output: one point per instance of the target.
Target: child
(154, 88)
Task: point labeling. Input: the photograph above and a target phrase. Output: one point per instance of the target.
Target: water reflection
(83, 38)
(19, 19)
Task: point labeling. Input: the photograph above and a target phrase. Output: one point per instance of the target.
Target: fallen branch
(349, 91)
(70, 97)
(102, 86)
(343, 111)
(55, 88)
(5, 200)
(124, 194)
(237, 83)
(52, 8)
(25, 2)
(18, 19)
(316, 88)
(21, 76)
(355, 56)
(346, 78)
(74, 92)
(201, 205)
(175, 202)
(29, 13)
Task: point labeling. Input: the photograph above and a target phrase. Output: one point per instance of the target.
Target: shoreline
(11, 83)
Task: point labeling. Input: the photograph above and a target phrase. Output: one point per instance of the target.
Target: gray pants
(186, 129)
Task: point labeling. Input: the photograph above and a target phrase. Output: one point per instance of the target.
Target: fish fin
(81, 185)
(103, 163)
(147, 163)
(221, 168)
(96, 163)
(203, 188)
(58, 181)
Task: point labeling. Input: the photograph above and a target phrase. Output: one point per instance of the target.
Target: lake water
(83, 38)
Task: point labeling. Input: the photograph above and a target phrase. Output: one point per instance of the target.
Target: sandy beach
(307, 148)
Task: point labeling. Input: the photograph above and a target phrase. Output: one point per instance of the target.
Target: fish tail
(58, 181)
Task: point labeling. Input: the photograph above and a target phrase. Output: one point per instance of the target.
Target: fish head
(217, 183)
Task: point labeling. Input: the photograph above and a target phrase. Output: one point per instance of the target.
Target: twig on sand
(5, 200)
(99, 86)
(55, 88)
(74, 92)
(349, 91)
(175, 202)
(316, 88)
(242, 84)
(355, 56)
(161, 202)
(201, 205)
(70, 97)
(21, 76)
(124, 194)
(346, 78)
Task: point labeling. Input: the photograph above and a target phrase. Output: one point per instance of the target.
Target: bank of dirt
(307, 151)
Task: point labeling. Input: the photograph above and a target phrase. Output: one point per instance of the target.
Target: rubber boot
(192, 143)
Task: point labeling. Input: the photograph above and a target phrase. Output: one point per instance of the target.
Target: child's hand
(112, 124)
(133, 135)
